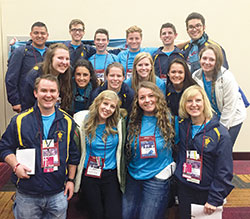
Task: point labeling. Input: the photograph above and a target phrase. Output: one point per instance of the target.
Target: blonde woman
(100, 174)
(143, 70)
(204, 161)
(149, 153)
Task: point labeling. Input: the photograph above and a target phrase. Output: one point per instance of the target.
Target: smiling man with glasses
(77, 49)
(195, 24)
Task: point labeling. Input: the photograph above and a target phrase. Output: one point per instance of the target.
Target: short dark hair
(168, 25)
(195, 15)
(76, 22)
(39, 24)
(117, 65)
(103, 31)
(48, 77)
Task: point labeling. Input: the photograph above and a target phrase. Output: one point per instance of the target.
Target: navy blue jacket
(84, 51)
(28, 87)
(217, 165)
(21, 61)
(126, 95)
(188, 47)
(23, 132)
(173, 99)
(162, 61)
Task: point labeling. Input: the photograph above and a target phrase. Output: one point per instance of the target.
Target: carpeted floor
(237, 206)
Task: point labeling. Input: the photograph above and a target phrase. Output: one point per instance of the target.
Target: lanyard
(203, 139)
(127, 70)
(41, 133)
(34, 53)
(104, 63)
(154, 130)
(90, 149)
(159, 66)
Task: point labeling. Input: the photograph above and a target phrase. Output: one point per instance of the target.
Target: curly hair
(93, 116)
(64, 79)
(135, 76)
(162, 114)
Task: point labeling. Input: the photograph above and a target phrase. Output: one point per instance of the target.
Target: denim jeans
(145, 199)
(40, 206)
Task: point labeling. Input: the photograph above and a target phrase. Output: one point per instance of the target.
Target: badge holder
(49, 156)
(147, 147)
(94, 167)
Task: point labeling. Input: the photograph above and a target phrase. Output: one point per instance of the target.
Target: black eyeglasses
(76, 30)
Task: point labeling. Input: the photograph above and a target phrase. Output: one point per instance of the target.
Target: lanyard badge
(94, 167)
(95, 164)
(192, 168)
(147, 147)
(49, 156)
(100, 74)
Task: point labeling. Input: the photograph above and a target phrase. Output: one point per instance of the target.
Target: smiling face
(134, 41)
(39, 35)
(77, 33)
(46, 95)
(147, 101)
(195, 107)
(177, 75)
(168, 36)
(82, 76)
(106, 109)
(143, 68)
(195, 29)
(60, 61)
(101, 42)
(208, 61)
(115, 78)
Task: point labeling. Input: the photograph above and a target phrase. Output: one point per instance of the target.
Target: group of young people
(145, 116)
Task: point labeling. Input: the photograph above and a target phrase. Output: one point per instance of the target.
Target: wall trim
(241, 155)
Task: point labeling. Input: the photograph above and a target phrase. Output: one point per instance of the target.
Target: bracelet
(16, 167)
(71, 180)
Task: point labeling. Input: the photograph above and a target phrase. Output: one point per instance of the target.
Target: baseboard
(241, 155)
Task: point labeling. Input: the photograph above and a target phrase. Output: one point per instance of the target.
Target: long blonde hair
(93, 116)
(135, 76)
(162, 114)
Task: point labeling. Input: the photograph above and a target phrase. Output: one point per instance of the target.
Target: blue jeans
(145, 199)
(40, 206)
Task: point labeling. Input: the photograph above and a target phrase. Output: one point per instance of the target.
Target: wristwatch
(71, 180)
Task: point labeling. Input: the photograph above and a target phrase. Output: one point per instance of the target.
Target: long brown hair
(162, 114)
(218, 63)
(64, 79)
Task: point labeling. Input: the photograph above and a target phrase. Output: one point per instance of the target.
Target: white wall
(227, 22)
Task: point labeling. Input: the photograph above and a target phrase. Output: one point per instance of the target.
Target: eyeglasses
(197, 27)
(76, 30)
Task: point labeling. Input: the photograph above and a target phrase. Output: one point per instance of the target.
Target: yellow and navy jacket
(21, 61)
(162, 61)
(217, 165)
(24, 131)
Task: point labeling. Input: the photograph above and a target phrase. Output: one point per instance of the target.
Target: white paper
(198, 213)
(27, 157)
